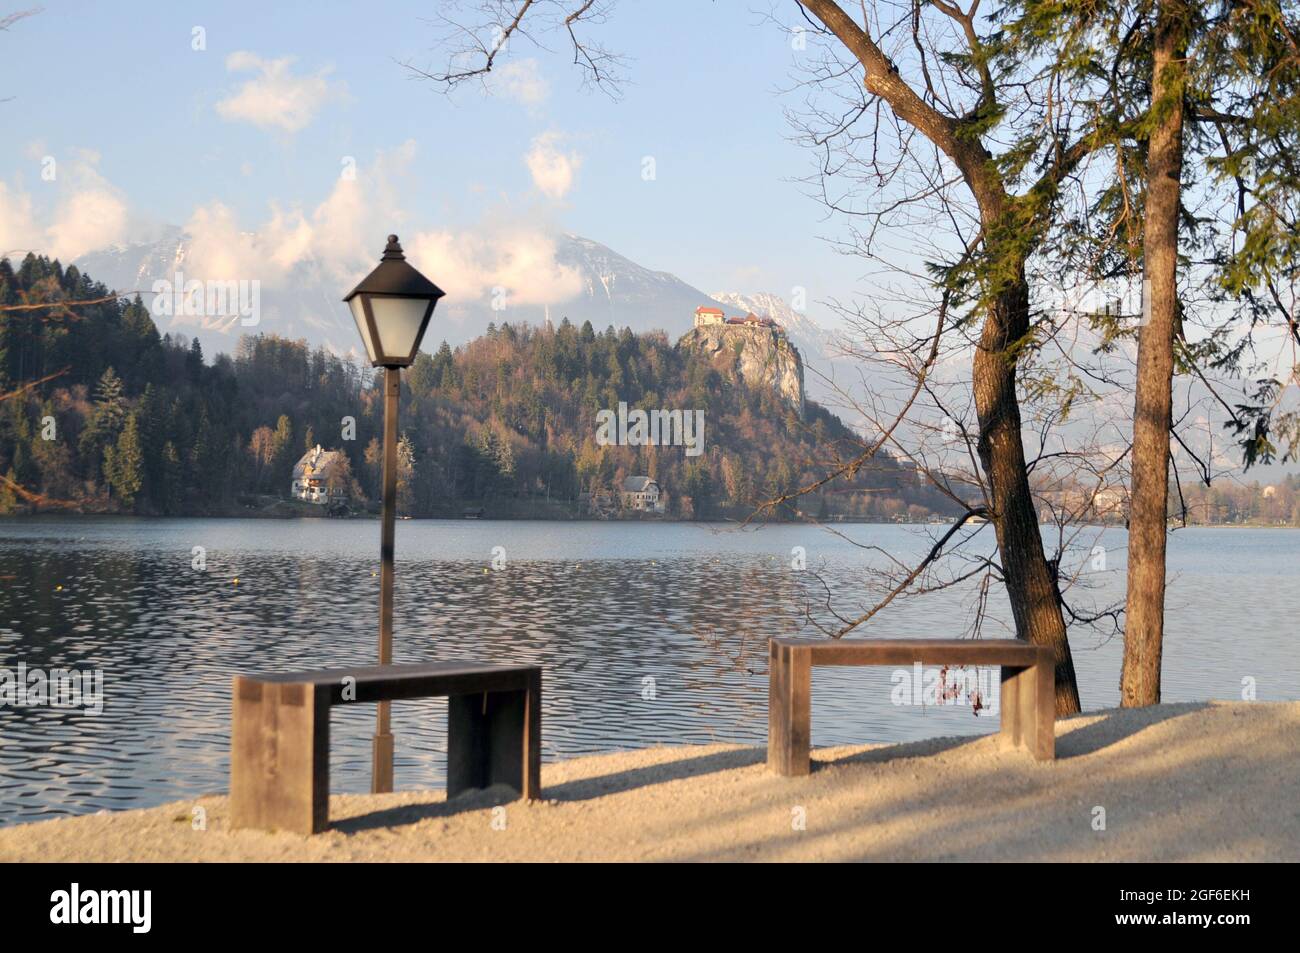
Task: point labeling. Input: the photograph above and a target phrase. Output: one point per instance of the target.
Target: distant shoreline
(543, 518)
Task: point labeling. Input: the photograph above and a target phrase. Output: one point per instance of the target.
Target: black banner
(145, 902)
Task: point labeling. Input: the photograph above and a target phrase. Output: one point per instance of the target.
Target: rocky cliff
(760, 356)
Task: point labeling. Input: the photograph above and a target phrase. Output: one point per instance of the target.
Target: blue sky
(116, 94)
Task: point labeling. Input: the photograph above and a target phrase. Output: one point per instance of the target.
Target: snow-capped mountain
(615, 291)
(307, 304)
(620, 292)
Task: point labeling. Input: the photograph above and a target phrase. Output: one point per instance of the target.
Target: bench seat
(1028, 703)
(279, 752)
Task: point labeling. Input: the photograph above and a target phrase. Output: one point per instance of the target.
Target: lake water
(650, 633)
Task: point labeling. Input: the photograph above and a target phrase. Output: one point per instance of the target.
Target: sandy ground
(1190, 782)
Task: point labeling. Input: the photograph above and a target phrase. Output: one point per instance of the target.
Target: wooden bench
(279, 751)
(1028, 687)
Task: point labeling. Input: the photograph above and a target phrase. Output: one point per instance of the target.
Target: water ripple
(649, 634)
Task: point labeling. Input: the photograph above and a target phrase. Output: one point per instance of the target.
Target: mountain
(307, 305)
(615, 291)
(620, 292)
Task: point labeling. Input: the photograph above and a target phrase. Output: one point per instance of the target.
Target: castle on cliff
(707, 316)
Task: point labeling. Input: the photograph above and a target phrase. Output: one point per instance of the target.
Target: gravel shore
(1185, 782)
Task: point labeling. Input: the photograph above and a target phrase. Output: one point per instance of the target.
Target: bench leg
(1029, 708)
(789, 709)
(279, 757)
(496, 738)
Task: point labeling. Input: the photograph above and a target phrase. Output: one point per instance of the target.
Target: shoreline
(1196, 781)
(657, 520)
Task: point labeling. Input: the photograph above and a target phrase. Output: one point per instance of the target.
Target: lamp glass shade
(399, 323)
(358, 308)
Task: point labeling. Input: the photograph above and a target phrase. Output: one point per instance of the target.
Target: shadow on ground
(1098, 731)
(1116, 725)
(415, 813)
(584, 789)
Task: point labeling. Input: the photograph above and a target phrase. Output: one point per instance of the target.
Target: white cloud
(220, 250)
(351, 223)
(518, 262)
(275, 97)
(344, 234)
(88, 213)
(18, 231)
(522, 81)
(87, 220)
(552, 169)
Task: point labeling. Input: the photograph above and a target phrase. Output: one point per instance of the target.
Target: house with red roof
(705, 316)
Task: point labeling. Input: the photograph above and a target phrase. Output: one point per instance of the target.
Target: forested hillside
(124, 419)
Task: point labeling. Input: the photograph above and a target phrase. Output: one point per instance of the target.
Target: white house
(319, 477)
(641, 493)
(704, 316)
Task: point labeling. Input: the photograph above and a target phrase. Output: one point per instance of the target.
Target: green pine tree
(124, 463)
(173, 476)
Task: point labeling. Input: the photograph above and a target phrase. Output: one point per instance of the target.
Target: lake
(650, 633)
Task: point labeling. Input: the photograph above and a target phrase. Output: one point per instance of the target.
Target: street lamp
(392, 307)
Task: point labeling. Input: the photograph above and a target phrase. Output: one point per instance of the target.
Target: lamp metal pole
(381, 781)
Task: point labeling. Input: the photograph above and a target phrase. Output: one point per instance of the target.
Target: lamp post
(392, 307)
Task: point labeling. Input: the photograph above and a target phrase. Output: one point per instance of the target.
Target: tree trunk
(1031, 588)
(1145, 604)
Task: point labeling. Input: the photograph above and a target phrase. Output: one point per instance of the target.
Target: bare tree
(9, 19)
(950, 114)
(476, 35)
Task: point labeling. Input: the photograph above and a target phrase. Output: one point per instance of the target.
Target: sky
(253, 132)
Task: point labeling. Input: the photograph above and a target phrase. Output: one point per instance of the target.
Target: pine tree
(405, 475)
(8, 498)
(194, 360)
(173, 477)
(208, 460)
(124, 463)
(505, 460)
(444, 368)
(282, 454)
(105, 423)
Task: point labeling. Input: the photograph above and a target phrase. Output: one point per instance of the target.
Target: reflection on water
(649, 634)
